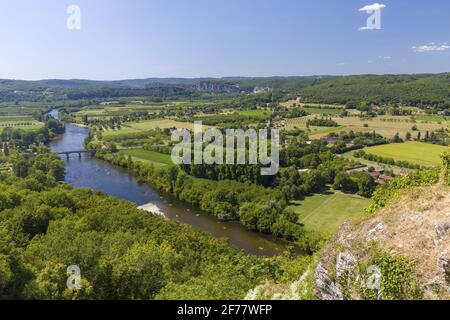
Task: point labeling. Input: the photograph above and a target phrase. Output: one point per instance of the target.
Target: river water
(87, 172)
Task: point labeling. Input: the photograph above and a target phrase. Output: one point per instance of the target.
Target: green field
(416, 152)
(145, 125)
(431, 118)
(15, 119)
(26, 123)
(260, 114)
(326, 212)
(388, 126)
(314, 132)
(326, 111)
(157, 159)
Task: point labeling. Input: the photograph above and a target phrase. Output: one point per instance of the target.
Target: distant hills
(275, 82)
(414, 90)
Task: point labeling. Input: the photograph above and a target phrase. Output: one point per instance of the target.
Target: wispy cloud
(431, 47)
(385, 57)
(341, 63)
(373, 7)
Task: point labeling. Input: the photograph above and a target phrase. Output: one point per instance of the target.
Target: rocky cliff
(217, 87)
(403, 252)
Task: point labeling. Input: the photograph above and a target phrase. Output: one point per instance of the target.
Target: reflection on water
(98, 175)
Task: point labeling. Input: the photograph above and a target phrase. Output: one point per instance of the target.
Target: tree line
(122, 252)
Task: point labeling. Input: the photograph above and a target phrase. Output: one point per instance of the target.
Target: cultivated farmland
(130, 127)
(416, 152)
(388, 126)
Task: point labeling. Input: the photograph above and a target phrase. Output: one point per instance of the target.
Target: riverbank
(79, 125)
(98, 175)
(258, 209)
(153, 209)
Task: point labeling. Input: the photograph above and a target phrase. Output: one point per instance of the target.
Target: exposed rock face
(442, 230)
(324, 287)
(217, 87)
(444, 265)
(345, 263)
(416, 228)
(379, 227)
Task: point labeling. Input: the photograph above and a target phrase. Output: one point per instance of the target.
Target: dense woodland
(421, 90)
(46, 225)
(23, 139)
(412, 90)
(123, 254)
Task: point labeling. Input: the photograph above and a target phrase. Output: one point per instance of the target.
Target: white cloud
(372, 7)
(385, 57)
(341, 64)
(431, 47)
(370, 61)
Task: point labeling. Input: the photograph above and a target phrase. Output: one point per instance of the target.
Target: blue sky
(198, 38)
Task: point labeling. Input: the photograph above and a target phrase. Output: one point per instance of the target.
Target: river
(88, 172)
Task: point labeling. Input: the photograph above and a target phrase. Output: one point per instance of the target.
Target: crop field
(432, 118)
(388, 126)
(322, 111)
(416, 152)
(157, 159)
(117, 110)
(162, 124)
(326, 212)
(130, 127)
(314, 131)
(24, 123)
(260, 114)
(290, 103)
(16, 119)
(21, 109)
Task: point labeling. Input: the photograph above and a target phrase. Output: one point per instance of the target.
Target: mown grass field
(157, 159)
(326, 212)
(416, 152)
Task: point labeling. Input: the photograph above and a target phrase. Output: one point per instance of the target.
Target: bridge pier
(79, 152)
